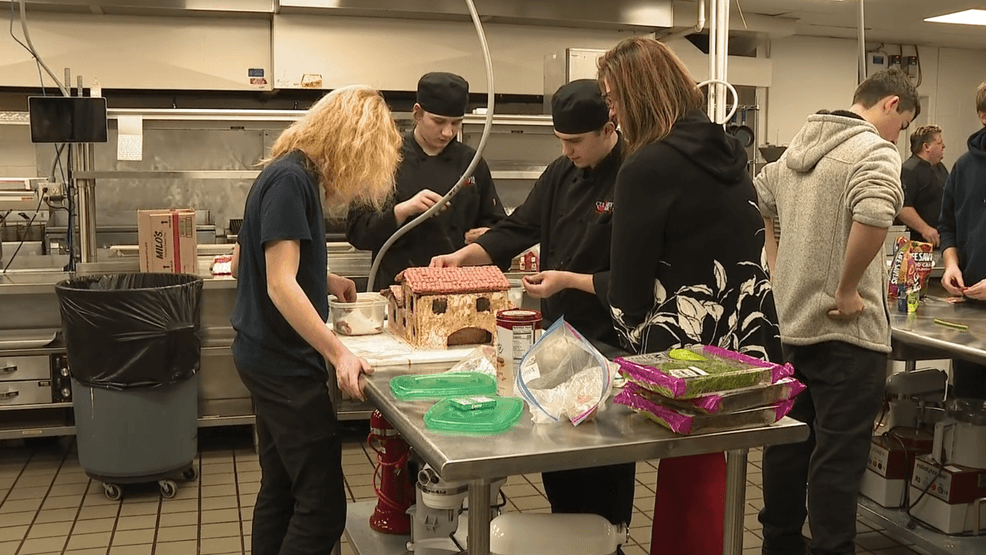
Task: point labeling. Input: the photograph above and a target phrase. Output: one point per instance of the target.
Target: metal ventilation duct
(628, 14)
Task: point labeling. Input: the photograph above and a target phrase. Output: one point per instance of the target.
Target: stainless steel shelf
(516, 174)
(169, 114)
(63, 405)
(936, 543)
(367, 541)
(217, 421)
(39, 429)
(171, 174)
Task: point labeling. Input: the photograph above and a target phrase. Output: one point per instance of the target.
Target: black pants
(606, 491)
(301, 506)
(968, 379)
(845, 390)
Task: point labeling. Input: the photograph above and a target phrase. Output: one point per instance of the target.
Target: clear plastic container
(363, 317)
(444, 417)
(441, 386)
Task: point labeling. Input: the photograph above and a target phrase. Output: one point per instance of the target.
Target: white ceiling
(890, 21)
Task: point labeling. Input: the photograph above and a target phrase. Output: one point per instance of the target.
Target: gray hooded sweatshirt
(838, 170)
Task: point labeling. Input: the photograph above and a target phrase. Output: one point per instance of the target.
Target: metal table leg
(479, 517)
(732, 543)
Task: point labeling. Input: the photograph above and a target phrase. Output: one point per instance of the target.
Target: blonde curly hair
(352, 144)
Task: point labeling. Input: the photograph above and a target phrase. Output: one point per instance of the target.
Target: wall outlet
(56, 192)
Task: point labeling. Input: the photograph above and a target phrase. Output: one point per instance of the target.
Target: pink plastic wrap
(728, 401)
(721, 370)
(686, 423)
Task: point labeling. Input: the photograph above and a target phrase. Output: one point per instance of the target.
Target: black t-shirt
(283, 204)
(570, 212)
(924, 185)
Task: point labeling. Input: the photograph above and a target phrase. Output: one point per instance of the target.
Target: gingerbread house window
(483, 304)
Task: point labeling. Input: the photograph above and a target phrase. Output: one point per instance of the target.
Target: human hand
(545, 284)
(931, 235)
(343, 288)
(951, 280)
(847, 306)
(418, 204)
(977, 291)
(445, 261)
(475, 233)
(348, 369)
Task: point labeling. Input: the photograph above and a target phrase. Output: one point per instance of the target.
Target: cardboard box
(166, 240)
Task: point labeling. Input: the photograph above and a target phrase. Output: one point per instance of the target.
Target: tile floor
(49, 506)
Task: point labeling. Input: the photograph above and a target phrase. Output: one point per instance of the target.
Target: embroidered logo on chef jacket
(470, 181)
(603, 207)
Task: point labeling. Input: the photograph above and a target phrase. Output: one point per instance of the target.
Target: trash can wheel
(113, 492)
(169, 489)
(190, 473)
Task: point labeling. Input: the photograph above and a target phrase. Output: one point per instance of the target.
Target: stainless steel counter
(917, 336)
(616, 435)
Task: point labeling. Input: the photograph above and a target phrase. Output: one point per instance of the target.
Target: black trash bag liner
(127, 331)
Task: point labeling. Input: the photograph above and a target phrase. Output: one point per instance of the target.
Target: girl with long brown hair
(686, 260)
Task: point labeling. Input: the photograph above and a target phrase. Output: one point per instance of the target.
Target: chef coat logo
(603, 207)
(471, 181)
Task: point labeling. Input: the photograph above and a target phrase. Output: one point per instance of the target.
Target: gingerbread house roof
(396, 292)
(470, 279)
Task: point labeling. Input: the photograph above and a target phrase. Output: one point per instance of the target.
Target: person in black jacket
(570, 211)
(433, 160)
(687, 265)
(923, 177)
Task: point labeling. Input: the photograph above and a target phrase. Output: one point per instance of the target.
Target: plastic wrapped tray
(441, 386)
(444, 417)
(363, 317)
(729, 401)
(688, 422)
(699, 370)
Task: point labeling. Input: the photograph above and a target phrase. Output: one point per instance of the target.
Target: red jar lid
(518, 315)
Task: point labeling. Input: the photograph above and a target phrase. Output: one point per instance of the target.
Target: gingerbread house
(436, 308)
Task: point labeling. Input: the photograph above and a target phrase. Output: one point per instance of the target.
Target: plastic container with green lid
(445, 417)
(441, 386)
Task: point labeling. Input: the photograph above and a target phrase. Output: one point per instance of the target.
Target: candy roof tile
(469, 279)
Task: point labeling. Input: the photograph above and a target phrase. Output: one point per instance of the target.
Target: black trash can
(134, 352)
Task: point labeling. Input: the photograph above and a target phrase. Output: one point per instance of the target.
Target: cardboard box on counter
(166, 240)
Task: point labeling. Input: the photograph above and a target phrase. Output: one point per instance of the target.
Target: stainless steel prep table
(917, 337)
(615, 436)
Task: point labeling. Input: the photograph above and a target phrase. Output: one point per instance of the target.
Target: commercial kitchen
(194, 93)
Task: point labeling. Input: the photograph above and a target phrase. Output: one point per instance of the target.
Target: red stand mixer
(396, 491)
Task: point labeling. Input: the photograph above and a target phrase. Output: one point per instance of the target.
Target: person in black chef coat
(433, 160)
(923, 176)
(569, 211)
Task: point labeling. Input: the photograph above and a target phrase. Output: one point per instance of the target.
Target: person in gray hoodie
(835, 191)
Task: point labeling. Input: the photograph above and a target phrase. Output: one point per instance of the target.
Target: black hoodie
(963, 212)
(687, 264)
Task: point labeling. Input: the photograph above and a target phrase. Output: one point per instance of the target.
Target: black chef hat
(578, 107)
(443, 94)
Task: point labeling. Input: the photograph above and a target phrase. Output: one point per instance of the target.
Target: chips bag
(911, 267)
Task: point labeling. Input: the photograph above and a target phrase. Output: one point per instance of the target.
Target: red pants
(690, 505)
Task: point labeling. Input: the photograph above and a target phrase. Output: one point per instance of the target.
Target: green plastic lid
(444, 417)
(440, 386)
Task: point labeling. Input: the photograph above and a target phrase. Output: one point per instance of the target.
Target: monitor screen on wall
(67, 119)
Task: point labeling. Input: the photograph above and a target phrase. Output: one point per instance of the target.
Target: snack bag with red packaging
(911, 267)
